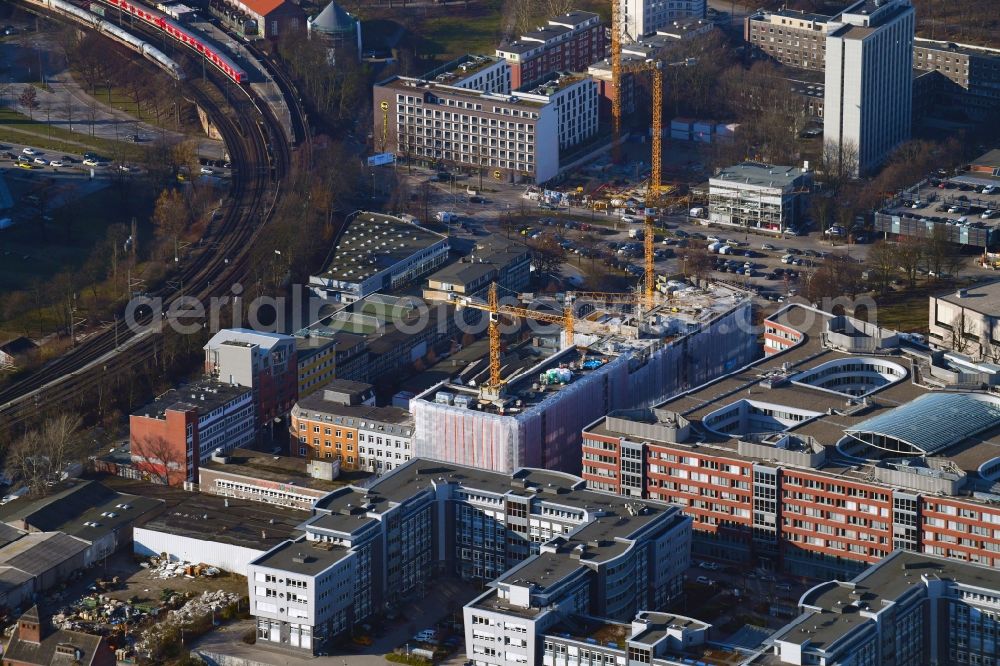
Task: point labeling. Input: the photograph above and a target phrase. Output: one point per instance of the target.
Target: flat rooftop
(412, 86)
(758, 174)
(259, 465)
(202, 396)
(303, 557)
(219, 519)
(573, 17)
(371, 243)
(553, 83)
(839, 602)
(802, 15)
(523, 369)
(984, 298)
(793, 379)
(461, 68)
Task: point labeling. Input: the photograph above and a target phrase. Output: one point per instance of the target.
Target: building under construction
(758, 196)
(552, 390)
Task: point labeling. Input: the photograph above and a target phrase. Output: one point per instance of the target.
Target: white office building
(551, 547)
(868, 95)
(644, 17)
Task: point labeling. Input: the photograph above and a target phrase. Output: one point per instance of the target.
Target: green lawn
(453, 36)
(906, 310)
(18, 128)
(69, 238)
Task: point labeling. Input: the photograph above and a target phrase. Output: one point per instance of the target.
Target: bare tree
(882, 264)
(958, 338)
(29, 99)
(909, 254)
(40, 456)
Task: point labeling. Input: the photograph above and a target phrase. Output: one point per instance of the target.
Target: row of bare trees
(39, 457)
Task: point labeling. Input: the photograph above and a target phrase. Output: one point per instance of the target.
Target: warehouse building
(492, 259)
(366, 548)
(222, 532)
(376, 252)
(550, 395)
(569, 42)
(907, 609)
(94, 514)
(515, 137)
(758, 196)
(823, 457)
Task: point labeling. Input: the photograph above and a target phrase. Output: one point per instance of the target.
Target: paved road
(66, 104)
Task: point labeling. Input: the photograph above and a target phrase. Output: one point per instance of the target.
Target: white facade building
(868, 95)
(514, 136)
(366, 549)
(644, 17)
(488, 74)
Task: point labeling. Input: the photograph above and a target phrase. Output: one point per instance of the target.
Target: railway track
(261, 158)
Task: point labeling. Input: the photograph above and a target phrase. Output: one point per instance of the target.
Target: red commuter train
(181, 34)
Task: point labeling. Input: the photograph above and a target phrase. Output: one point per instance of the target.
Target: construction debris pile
(201, 606)
(163, 567)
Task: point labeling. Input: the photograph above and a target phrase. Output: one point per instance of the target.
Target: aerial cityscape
(500, 332)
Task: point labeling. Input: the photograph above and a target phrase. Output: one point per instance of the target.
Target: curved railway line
(260, 159)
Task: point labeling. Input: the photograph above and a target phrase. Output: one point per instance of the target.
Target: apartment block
(359, 436)
(264, 362)
(571, 41)
(553, 548)
(869, 90)
(516, 137)
(644, 17)
(488, 74)
(171, 435)
(360, 266)
(757, 458)
(907, 609)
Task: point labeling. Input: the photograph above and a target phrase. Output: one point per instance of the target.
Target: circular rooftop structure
(855, 376)
(930, 424)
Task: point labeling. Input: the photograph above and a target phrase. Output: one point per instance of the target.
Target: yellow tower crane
(495, 309)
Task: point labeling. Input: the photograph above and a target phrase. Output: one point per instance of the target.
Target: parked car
(705, 580)
(768, 246)
(29, 151)
(91, 162)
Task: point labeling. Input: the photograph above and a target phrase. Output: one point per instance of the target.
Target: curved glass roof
(930, 423)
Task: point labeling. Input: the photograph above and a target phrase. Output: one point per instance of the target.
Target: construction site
(527, 406)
